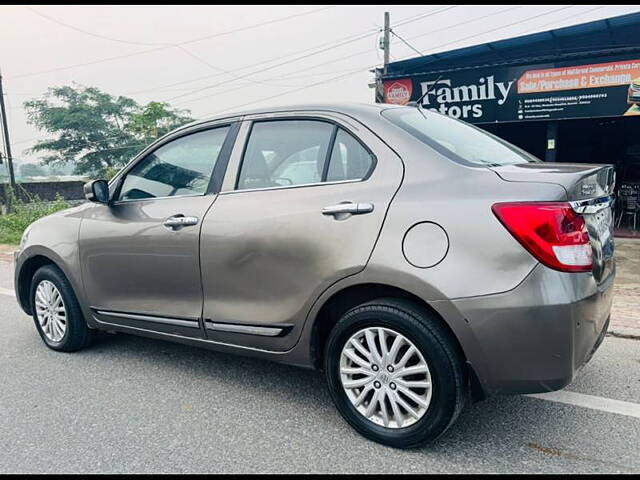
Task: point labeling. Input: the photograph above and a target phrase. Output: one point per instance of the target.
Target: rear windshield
(456, 139)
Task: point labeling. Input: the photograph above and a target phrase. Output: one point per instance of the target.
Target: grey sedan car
(419, 261)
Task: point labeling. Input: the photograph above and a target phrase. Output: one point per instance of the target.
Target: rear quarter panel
(482, 258)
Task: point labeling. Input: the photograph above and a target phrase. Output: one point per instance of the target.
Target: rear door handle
(178, 221)
(359, 208)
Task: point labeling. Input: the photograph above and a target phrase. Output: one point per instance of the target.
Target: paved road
(130, 404)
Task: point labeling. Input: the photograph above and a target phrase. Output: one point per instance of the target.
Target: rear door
(302, 205)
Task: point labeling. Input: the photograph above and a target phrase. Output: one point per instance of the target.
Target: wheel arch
(353, 295)
(25, 270)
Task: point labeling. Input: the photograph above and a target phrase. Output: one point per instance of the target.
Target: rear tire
(56, 312)
(434, 411)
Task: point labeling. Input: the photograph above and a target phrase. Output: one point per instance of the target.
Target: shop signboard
(604, 87)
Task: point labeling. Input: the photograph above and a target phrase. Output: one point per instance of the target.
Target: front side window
(285, 152)
(458, 140)
(181, 167)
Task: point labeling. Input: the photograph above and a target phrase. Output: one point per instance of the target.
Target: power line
(402, 22)
(406, 43)
(334, 45)
(358, 70)
(475, 19)
(344, 75)
(271, 67)
(162, 47)
(528, 32)
(356, 54)
(222, 70)
(182, 82)
(498, 28)
(180, 45)
(419, 17)
(362, 52)
(261, 24)
(92, 34)
(566, 18)
(290, 91)
(118, 57)
(170, 44)
(84, 64)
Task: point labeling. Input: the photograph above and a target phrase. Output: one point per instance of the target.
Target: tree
(155, 119)
(94, 130)
(31, 170)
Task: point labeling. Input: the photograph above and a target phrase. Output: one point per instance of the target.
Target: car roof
(354, 109)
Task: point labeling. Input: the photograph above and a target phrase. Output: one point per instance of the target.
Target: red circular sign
(398, 91)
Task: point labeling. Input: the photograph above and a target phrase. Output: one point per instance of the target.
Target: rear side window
(287, 152)
(281, 153)
(456, 139)
(178, 168)
(349, 159)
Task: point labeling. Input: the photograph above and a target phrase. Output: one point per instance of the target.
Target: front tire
(394, 373)
(56, 312)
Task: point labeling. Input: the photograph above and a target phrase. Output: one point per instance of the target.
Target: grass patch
(23, 214)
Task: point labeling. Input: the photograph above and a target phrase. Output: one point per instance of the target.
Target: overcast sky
(180, 54)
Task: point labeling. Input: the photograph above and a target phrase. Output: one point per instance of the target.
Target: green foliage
(31, 170)
(110, 172)
(23, 214)
(95, 131)
(155, 119)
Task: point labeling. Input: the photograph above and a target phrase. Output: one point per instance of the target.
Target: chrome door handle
(178, 221)
(348, 208)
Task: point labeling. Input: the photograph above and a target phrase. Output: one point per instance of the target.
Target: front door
(301, 208)
(140, 255)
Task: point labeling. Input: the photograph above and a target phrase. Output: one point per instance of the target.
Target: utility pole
(384, 45)
(7, 143)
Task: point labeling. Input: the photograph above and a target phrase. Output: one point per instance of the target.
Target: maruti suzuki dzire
(417, 260)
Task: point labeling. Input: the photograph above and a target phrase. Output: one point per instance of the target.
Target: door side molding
(180, 322)
(262, 330)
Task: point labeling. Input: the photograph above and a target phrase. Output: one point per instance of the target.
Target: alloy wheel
(385, 377)
(50, 310)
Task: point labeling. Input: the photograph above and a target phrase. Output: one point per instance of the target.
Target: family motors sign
(519, 93)
(467, 100)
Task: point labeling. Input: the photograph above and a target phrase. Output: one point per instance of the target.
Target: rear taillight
(551, 231)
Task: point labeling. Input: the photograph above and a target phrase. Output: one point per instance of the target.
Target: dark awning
(602, 37)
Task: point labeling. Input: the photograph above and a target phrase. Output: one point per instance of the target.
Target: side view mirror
(97, 191)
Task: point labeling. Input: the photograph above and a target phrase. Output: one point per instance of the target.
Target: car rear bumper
(535, 337)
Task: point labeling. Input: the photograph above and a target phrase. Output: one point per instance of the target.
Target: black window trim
(219, 169)
(330, 148)
(336, 127)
